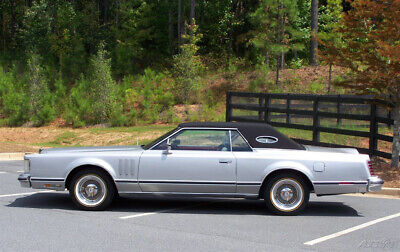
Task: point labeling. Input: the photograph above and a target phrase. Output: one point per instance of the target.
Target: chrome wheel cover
(287, 194)
(90, 190)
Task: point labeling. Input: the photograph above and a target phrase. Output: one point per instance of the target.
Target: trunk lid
(331, 150)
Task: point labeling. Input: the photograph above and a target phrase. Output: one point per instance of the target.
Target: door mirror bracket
(167, 151)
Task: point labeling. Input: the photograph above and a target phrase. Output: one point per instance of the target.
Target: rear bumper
(25, 180)
(374, 184)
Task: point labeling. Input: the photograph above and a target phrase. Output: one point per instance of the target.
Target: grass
(65, 138)
(134, 129)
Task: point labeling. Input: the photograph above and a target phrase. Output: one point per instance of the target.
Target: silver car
(241, 160)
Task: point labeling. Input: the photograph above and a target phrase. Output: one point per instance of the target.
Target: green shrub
(60, 95)
(14, 102)
(296, 63)
(149, 96)
(187, 67)
(93, 100)
(41, 100)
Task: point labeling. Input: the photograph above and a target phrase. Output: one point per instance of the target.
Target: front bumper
(25, 180)
(374, 184)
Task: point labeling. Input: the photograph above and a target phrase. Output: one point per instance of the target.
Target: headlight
(27, 166)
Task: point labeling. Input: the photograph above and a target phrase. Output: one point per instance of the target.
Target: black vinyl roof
(250, 131)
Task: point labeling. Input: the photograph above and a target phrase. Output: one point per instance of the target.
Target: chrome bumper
(25, 180)
(374, 184)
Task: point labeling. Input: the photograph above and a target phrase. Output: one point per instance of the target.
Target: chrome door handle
(225, 161)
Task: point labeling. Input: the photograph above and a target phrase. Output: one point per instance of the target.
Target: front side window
(198, 139)
(238, 143)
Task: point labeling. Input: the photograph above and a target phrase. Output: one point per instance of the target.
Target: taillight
(371, 170)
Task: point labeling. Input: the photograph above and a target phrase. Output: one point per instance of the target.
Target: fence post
(228, 106)
(339, 110)
(315, 120)
(267, 104)
(287, 109)
(260, 107)
(373, 130)
(389, 116)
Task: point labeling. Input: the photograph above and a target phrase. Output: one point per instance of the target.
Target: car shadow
(132, 205)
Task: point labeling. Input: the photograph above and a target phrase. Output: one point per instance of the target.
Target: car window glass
(238, 143)
(207, 140)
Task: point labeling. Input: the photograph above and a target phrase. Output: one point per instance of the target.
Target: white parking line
(1, 172)
(349, 230)
(23, 194)
(157, 212)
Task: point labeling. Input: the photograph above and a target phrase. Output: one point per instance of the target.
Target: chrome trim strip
(249, 183)
(186, 182)
(230, 139)
(48, 179)
(125, 181)
(340, 182)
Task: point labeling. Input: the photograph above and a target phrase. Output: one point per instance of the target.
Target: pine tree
(329, 24)
(188, 65)
(275, 34)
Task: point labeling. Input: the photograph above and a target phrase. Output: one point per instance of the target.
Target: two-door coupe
(245, 160)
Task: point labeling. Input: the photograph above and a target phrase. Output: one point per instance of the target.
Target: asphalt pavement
(40, 220)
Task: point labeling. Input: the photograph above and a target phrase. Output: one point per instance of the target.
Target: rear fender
(280, 165)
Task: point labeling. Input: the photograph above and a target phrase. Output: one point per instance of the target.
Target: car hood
(332, 150)
(91, 149)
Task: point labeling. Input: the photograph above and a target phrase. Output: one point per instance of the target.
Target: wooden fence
(305, 112)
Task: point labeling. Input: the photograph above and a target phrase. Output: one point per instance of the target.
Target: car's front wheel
(286, 194)
(92, 189)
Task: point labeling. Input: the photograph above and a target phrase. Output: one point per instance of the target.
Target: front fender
(90, 161)
(280, 165)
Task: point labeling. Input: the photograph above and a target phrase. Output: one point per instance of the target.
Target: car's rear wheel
(92, 189)
(286, 194)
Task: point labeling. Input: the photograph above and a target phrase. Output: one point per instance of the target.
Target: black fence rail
(305, 112)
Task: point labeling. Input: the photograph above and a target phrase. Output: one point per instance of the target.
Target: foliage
(276, 32)
(78, 110)
(102, 85)
(188, 65)
(149, 97)
(14, 103)
(40, 98)
(92, 100)
(94, 57)
(370, 48)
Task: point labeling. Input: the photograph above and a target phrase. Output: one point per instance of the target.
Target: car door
(200, 161)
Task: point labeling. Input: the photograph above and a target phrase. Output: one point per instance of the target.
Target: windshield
(148, 146)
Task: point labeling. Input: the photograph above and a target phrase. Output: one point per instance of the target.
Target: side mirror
(168, 150)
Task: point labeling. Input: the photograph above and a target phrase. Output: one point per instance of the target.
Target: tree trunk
(170, 29)
(179, 24)
(13, 20)
(395, 147)
(330, 78)
(277, 71)
(117, 12)
(192, 11)
(106, 8)
(229, 46)
(295, 54)
(314, 32)
(282, 60)
(4, 33)
(267, 58)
